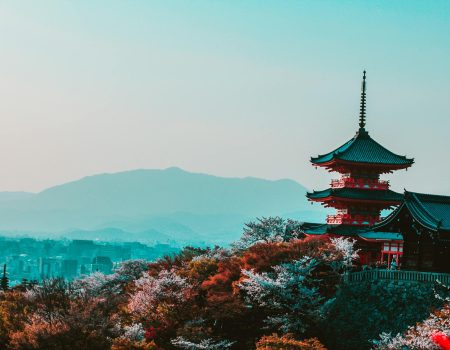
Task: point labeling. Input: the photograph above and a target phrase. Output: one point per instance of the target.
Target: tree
(205, 344)
(262, 256)
(344, 254)
(39, 334)
(381, 306)
(97, 284)
(295, 294)
(51, 299)
(126, 344)
(160, 303)
(287, 342)
(290, 295)
(62, 318)
(271, 229)
(131, 270)
(14, 312)
(4, 282)
(432, 333)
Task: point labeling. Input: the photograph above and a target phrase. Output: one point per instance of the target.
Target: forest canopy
(273, 289)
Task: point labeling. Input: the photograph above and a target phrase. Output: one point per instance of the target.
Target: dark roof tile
(360, 194)
(431, 211)
(363, 149)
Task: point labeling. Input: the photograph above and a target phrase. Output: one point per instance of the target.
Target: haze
(245, 88)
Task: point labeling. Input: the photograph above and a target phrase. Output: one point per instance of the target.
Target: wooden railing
(348, 219)
(397, 275)
(350, 182)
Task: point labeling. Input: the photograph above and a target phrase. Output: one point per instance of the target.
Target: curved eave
(324, 235)
(356, 196)
(382, 202)
(362, 150)
(420, 213)
(385, 167)
(332, 155)
(391, 217)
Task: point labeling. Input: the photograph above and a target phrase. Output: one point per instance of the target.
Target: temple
(416, 235)
(359, 195)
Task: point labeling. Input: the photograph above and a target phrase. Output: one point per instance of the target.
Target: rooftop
(356, 194)
(363, 149)
(429, 210)
(381, 236)
(316, 229)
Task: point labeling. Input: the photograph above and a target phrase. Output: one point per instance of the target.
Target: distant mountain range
(170, 205)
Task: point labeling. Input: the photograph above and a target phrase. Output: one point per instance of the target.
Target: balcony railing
(370, 184)
(397, 275)
(348, 219)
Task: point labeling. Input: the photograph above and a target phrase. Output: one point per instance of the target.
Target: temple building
(416, 235)
(359, 196)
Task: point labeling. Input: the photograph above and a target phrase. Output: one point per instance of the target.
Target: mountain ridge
(172, 201)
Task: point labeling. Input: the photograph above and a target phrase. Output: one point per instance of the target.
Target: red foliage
(442, 340)
(222, 299)
(151, 332)
(221, 284)
(259, 257)
(262, 256)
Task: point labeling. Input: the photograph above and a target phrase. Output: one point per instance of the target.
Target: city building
(31, 260)
(102, 264)
(69, 268)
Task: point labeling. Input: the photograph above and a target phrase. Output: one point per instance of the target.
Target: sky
(229, 88)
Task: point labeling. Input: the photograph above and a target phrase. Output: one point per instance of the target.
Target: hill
(180, 205)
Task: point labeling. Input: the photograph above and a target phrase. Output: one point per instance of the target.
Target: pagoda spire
(362, 109)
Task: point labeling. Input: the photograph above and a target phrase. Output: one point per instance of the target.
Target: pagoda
(358, 195)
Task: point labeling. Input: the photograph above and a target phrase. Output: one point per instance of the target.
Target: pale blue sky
(231, 88)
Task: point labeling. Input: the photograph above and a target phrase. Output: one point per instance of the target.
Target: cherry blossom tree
(290, 294)
(131, 269)
(266, 230)
(158, 299)
(345, 253)
(431, 334)
(205, 344)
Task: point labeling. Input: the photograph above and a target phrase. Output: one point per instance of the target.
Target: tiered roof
(315, 229)
(428, 210)
(361, 160)
(356, 194)
(362, 149)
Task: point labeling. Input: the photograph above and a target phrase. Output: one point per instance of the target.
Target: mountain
(12, 196)
(178, 204)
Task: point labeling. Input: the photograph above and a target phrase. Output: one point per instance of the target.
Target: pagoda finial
(362, 109)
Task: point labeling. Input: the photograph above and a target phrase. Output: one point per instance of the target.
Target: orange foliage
(221, 287)
(221, 292)
(14, 308)
(201, 269)
(126, 344)
(262, 256)
(287, 342)
(221, 284)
